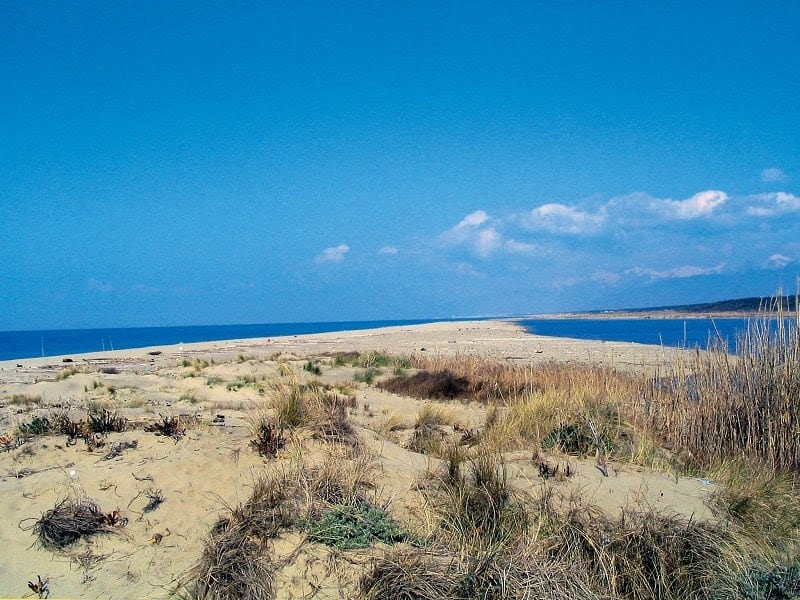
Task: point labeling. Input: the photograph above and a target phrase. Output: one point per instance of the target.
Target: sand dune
(213, 466)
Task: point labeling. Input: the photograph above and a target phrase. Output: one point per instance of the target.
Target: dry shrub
(427, 439)
(234, 566)
(332, 425)
(102, 420)
(762, 507)
(436, 385)
(170, 426)
(64, 425)
(431, 415)
(268, 438)
(316, 405)
(477, 509)
(336, 481)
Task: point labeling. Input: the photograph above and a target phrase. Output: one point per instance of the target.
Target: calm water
(26, 344)
(689, 333)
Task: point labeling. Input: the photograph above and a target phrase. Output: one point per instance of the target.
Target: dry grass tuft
(71, 520)
(234, 566)
(235, 561)
(437, 574)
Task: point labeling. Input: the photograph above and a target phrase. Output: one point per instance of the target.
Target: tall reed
(717, 406)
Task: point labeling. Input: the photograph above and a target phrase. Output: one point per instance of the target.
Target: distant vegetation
(754, 304)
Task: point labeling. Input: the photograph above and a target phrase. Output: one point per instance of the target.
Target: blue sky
(193, 163)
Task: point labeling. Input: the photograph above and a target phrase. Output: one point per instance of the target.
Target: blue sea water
(673, 333)
(690, 333)
(27, 344)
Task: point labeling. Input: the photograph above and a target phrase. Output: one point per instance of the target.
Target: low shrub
(349, 526)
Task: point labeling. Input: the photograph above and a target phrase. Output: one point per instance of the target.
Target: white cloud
(701, 204)
(487, 241)
(333, 254)
(606, 277)
(474, 219)
(515, 247)
(682, 272)
(773, 175)
(471, 231)
(100, 286)
(778, 261)
(388, 250)
(560, 218)
(773, 204)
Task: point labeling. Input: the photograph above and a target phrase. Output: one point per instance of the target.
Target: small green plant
(350, 526)
(37, 426)
(312, 368)
(366, 375)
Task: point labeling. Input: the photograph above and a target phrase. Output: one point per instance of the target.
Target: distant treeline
(754, 304)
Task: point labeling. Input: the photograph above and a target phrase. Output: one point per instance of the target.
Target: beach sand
(213, 467)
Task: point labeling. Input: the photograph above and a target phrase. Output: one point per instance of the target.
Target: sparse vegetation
(102, 420)
(367, 375)
(67, 373)
(168, 426)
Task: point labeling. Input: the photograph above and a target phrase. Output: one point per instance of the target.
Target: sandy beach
(217, 389)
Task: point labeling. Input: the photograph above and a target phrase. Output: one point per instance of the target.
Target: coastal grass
(716, 406)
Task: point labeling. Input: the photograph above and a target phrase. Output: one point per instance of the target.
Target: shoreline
(498, 339)
(559, 316)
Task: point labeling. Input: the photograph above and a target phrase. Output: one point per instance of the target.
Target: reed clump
(717, 406)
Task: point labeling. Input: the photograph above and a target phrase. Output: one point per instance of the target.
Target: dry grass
(716, 406)
(237, 560)
(643, 554)
(317, 406)
(70, 520)
(436, 573)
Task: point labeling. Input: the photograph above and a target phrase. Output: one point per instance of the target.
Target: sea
(689, 333)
